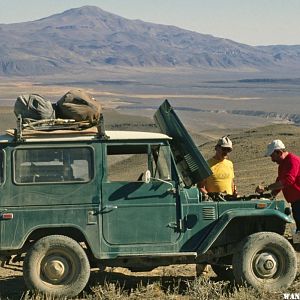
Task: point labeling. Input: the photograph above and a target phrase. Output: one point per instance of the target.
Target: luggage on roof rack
(75, 113)
(78, 105)
(33, 107)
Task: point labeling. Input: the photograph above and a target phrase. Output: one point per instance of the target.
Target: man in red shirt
(288, 180)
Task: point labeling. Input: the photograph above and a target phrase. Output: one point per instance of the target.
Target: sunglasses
(224, 149)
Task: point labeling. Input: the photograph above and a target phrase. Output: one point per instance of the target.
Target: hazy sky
(253, 22)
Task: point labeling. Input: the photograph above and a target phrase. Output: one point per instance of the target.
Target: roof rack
(30, 126)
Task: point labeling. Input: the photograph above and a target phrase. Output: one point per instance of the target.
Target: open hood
(190, 162)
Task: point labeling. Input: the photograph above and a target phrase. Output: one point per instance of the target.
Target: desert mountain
(88, 37)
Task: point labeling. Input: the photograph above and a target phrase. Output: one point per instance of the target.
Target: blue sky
(253, 22)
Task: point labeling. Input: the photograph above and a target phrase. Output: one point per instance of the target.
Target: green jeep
(72, 202)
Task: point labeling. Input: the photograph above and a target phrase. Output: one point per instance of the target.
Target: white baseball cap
(275, 145)
(225, 142)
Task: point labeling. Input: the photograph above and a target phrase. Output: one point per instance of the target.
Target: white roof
(5, 138)
(76, 136)
(133, 135)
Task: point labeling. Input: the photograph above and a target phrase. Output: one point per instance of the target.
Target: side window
(1, 166)
(52, 165)
(129, 163)
(126, 163)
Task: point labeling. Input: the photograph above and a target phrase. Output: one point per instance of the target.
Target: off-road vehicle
(73, 200)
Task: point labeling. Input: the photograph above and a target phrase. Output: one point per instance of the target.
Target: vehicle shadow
(12, 287)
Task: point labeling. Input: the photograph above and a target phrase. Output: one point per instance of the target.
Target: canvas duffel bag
(34, 106)
(78, 105)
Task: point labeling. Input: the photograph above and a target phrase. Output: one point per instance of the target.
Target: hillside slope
(88, 38)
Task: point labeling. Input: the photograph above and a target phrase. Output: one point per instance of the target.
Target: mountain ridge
(88, 38)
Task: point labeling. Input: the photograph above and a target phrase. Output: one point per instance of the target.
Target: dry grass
(202, 288)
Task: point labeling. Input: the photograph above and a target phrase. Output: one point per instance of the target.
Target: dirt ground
(12, 284)
(171, 278)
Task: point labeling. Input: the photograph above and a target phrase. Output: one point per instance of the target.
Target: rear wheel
(266, 260)
(56, 265)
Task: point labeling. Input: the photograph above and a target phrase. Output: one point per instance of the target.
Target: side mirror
(147, 176)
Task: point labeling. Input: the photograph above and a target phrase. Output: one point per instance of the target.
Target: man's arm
(275, 188)
(287, 177)
(201, 187)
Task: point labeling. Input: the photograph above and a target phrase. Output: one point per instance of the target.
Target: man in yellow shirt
(222, 168)
(220, 181)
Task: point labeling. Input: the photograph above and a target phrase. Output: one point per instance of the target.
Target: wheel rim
(58, 267)
(266, 265)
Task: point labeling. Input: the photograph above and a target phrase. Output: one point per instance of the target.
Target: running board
(177, 254)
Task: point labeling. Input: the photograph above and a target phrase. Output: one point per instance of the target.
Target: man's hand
(260, 189)
(205, 196)
(235, 193)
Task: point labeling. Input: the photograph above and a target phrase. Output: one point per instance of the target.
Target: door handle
(179, 225)
(108, 208)
(172, 225)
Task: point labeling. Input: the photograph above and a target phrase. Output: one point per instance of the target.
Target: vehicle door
(133, 211)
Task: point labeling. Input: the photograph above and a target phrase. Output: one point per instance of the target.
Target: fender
(48, 229)
(229, 215)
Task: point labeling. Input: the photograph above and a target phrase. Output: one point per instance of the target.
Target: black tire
(56, 265)
(265, 260)
(224, 272)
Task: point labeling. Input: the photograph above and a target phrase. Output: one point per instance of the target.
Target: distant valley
(132, 66)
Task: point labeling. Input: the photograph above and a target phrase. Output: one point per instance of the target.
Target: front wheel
(56, 265)
(265, 260)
